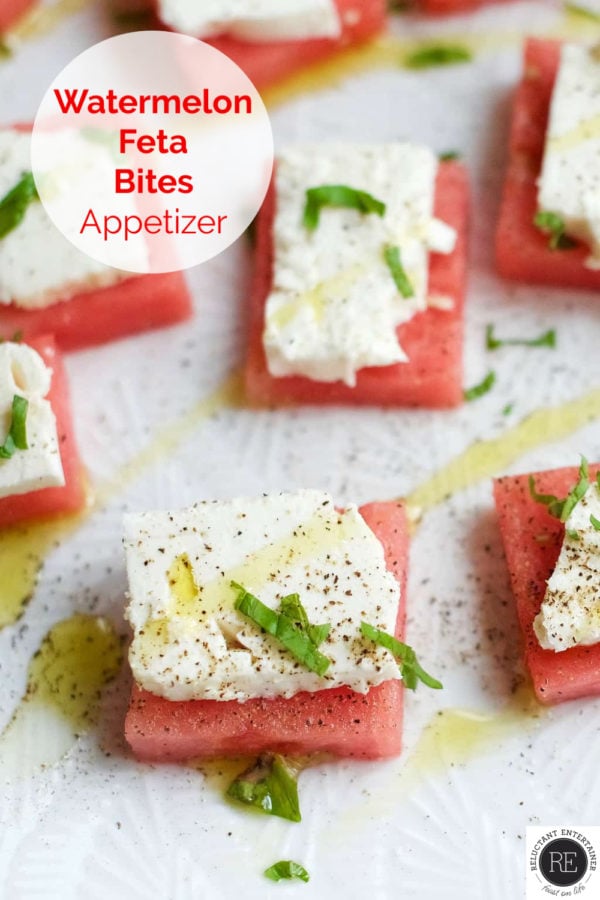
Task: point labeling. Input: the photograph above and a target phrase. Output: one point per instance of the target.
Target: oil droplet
(486, 458)
(77, 658)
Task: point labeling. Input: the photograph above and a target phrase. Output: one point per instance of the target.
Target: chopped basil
(482, 388)
(269, 785)
(583, 11)
(595, 522)
(293, 631)
(287, 868)
(5, 50)
(338, 195)
(552, 224)
(409, 666)
(574, 535)
(13, 205)
(562, 509)
(449, 156)
(438, 55)
(394, 263)
(16, 439)
(506, 411)
(547, 339)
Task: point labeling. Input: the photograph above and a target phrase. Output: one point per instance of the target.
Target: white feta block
(569, 184)
(334, 307)
(253, 20)
(570, 614)
(24, 373)
(189, 641)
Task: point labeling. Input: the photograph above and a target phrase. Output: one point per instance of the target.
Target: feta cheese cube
(570, 613)
(570, 180)
(334, 307)
(253, 20)
(189, 641)
(24, 373)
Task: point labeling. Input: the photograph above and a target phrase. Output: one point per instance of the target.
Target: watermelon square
(51, 501)
(522, 250)
(269, 62)
(532, 540)
(337, 721)
(432, 340)
(13, 10)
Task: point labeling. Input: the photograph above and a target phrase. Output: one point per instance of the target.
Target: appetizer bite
(48, 286)
(549, 229)
(360, 278)
(272, 39)
(40, 472)
(268, 625)
(550, 524)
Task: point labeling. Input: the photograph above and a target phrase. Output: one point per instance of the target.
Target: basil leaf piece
(595, 522)
(506, 410)
(280, 626)
(438, 55)
(482, 388)
(338, 195)
(291, 607)
(270, 787)
(287, 868)
(13, 205)
(410, 669)
(16, 439)
(449, 156)
(547, 339)
(394, 263)
(574, 535)
(562, 509)
(552, 224)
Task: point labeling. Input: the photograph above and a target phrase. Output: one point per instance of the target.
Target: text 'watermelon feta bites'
(550, 525)
(263, 625)
(549, 228)
(272, 39)
(40, 472)
(360, 277)
(48, 286)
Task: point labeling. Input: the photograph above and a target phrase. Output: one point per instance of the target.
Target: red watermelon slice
(337, 721)
(432, 339)
(269, 62)
(12, 10)
(54, 500)
(522, 250)
(532, 540)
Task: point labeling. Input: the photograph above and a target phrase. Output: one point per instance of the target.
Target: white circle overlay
(125, 195)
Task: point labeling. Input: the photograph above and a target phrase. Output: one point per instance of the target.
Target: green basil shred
(270, 787)
(449, 156)
(394, 263)
(410, 669)
(289, 625)
(562, 509)
(552, 224)
(287, 868)
(482, 388)
(547, 339)
(16, 439)
(338, 195)
(595, 522)
(438, 55)
(14, 205)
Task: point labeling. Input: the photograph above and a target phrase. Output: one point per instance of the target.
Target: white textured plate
(448, 818)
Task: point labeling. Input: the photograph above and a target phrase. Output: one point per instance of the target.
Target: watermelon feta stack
(292, 646)
(550, 526)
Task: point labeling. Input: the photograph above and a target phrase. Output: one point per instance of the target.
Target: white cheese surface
(570, 613)
(570, 180)
(334, 307)
(189, 641)
(24, 373)
(38, 265)
(253, 20)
